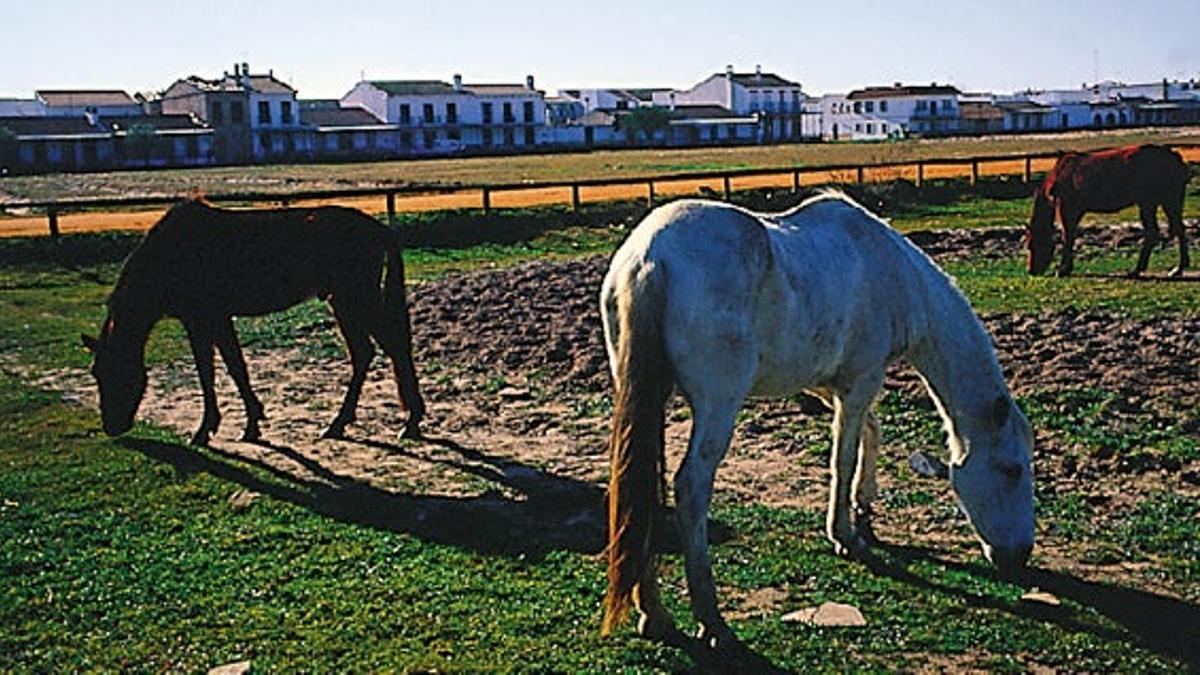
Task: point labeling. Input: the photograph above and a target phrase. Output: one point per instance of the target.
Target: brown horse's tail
(1183, 175)
(398, 328)
(642, 383)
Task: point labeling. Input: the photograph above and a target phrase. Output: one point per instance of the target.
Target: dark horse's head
(1039, 236)
(120, 371)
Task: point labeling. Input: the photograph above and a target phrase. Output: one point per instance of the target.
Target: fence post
(974, 171)
(487, 200)
(795, 181)
(920, 174)
(725, 184)
(1028, 169)
(859, 175)
(391, 209)
(52, 215)
(650, 194)
(575, 197)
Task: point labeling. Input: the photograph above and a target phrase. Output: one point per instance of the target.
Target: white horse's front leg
(711, 433)
(850, 411)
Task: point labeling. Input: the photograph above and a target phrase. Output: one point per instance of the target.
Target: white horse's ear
(1001, 409)
(89, 343)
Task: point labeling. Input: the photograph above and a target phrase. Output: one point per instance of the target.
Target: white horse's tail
(642, 383)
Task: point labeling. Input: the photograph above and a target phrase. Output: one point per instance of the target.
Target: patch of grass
(1082, 418)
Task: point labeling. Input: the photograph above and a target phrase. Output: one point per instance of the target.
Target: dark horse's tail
(1182, 173)
(398, 327)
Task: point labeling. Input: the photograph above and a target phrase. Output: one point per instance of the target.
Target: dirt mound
(544, 316)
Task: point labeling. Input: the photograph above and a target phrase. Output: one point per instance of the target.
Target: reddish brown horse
(1148, 176)
(204, 266)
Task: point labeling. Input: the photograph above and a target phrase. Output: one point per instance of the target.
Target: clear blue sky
(323, 46)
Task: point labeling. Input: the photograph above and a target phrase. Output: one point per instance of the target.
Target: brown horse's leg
(1069, 223)
(200, 336)
(358, 342)
(1149, 237)
(394, 334)
(231, 352)
(1174, 210)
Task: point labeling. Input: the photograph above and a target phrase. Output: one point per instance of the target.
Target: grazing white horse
(725, 304)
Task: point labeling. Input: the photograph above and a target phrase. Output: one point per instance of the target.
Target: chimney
(672, 101)
(245, 74)
(237, 70)
(729, 71)
(1166, 90)
(758, 72)
(529, 82)
(457, 82)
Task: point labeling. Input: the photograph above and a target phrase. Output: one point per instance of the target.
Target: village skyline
(324, 51)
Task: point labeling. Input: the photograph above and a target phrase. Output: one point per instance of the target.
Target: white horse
(725, 303)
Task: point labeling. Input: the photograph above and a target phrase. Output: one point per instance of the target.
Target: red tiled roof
(898, 91)
(338, 117)
(84, 97)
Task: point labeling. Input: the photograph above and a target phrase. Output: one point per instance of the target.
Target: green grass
(129, 555)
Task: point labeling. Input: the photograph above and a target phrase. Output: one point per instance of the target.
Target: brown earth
(513, 367)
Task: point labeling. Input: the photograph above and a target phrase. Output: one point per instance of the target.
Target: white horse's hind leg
(865, 488)
(712, 429)
(849, 415)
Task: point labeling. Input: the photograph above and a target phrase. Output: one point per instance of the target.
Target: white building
(435, 117)
(779, 103)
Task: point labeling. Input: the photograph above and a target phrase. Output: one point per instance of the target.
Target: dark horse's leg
(231, 352)
(1149, 236)
(394, 334)
(1174, 210)
(200, 335)
(352, 321)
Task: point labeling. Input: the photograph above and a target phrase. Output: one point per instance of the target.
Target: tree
(140, 140)
(644, 123)
(9, 151)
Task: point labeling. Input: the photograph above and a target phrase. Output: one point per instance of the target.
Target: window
(406, 140)
(427, 113)
(527, 111)
(452, 113)
(870, 106)
(933, 107)
(285, 112)
(883, 127)
(508, 114)
(454, 134)
(858, 106)
(870, 128)
(883, 106)
(487, 134)
(486, 110)
(405, 114)
(922, 105)
(529, 136)
(508, 137)
(264, 140)
(858, 126)
(236, 115)
(218, 113)
(264, 112)
(429, 138)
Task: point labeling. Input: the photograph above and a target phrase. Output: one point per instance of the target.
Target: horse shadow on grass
(544, 513)
(1166, 626)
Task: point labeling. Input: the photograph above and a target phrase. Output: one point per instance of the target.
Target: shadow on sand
(554, 513)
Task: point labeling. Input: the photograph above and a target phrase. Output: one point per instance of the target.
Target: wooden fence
(651, 186)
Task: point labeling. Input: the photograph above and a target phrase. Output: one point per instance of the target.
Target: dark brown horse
(204, 266)
(1148, 176)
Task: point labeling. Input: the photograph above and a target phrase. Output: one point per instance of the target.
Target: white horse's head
(992, 476)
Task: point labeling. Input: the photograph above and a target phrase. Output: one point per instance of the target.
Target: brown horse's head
(1039, 236)
(120, 371)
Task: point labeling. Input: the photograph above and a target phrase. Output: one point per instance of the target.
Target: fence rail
(839, 172)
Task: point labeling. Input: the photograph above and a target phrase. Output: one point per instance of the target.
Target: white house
(436, 117)
(779, 103)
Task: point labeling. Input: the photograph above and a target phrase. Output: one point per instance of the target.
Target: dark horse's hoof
(412, 431)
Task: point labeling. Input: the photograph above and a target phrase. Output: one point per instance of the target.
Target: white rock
(828, 614)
